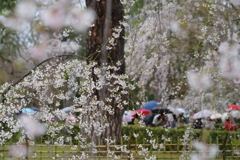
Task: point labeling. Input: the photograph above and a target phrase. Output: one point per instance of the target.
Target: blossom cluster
(47, 87)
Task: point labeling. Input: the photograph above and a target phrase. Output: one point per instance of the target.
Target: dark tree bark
(108, 15)
(96, 40)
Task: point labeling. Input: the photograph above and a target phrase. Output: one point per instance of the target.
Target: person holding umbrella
(171, 120)
(148, 120)
(127, 118)
(179, 120)
(160, 120)
(197, 124)
(208, 124)
(139, 114)
(229, 124)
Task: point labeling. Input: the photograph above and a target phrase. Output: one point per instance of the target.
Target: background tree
(176, 37)
(11, 66)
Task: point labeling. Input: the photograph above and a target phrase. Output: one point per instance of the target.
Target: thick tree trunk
(108, 15)
(95, 39)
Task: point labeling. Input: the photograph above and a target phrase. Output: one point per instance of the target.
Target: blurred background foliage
(15, 60)
(185, 50)
(9, 45)
(186, 53)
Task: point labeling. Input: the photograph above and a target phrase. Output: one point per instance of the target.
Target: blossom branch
(20, 79)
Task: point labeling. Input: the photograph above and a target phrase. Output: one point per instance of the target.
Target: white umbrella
(176, 110)
(181, 110)
(225, 116)
(127, 118)
(216, 115)
(202, 114)
(235, 113)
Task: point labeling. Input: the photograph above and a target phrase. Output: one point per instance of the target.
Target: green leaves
(7, 5)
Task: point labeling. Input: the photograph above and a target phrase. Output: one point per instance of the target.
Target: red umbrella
(142, 112)
(233, 107)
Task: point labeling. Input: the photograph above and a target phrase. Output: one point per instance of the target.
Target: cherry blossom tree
(100, 85)
(182, 42)
(187, 50)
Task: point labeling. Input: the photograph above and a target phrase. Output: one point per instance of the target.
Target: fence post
(99, 154)
(3, 151)
(115, 145)
(136, 144)
(121, 140)
(55, 150)
(177, 144)
(129, 147)
(171, 145)
(70, 146)
(225, 146)
(238, 141)
(164, 144)
(158, 145)
(41, 151)
(107, 147)
(79, 148)
(151, 147)
(231, 144)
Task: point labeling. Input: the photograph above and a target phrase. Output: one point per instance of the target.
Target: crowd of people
(209, 124)
(171, 120)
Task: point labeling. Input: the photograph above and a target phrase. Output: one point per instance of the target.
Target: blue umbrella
(150, 105)
(28, 111)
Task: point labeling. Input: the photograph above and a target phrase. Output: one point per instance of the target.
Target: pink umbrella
(142, 112)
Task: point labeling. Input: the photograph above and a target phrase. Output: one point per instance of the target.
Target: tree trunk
(108, 15)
